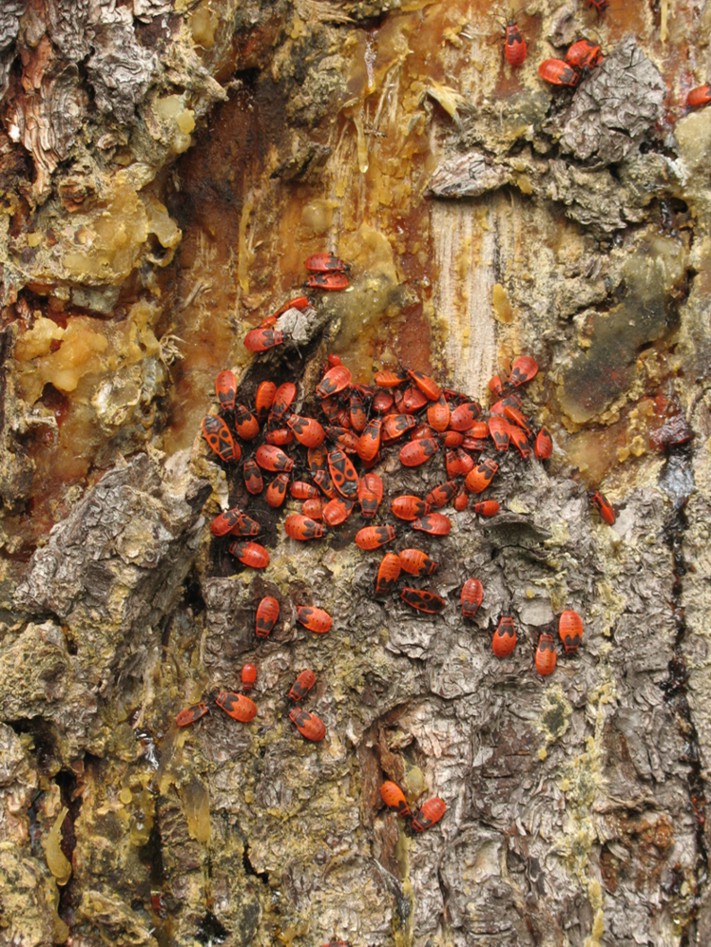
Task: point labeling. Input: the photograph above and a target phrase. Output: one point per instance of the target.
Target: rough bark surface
(165, 167)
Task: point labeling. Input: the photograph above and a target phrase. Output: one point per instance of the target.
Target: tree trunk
(166, 167)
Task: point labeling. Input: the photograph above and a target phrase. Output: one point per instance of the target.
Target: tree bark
(165, 168)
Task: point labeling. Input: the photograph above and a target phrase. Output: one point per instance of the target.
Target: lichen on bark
(165, 167)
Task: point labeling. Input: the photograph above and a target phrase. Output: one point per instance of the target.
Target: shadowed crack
(677, 482)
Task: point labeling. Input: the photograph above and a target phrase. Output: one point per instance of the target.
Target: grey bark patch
(614, 108)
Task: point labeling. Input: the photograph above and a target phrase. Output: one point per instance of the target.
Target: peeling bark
(164, 170)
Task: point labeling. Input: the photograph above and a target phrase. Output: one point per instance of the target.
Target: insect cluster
(581, 58)
(321, 451)
(429, 813)
(243, 708)
(326, 272)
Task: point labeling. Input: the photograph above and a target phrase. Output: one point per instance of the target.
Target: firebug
(505, 637)
(267, 616)
(261, 340)
(236, 706)
(226, 389)
(250, 554)
(394, 798)
(191, 714)
(302, 685)
(219, 439)
(546, 656)
(298, 526)
(371, 537)
(471, 598)
(423, 600)
(429, 813)
(308, 724)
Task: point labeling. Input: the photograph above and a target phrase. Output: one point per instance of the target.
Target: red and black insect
(417, 562)
(261, 340)
(250, 554)
(264, 398)
(302, 685)
(408, 507)
(514, 45)
(298, 302)
(314, 619)
(253, 480)
(479, 478)
(234, 522)
(505, 637)
(558, 72)
(298, 526)
(428, 386)
(388, 378)
(283, 399)
(191, 714)
(464, 415)
(458, 462)
(599, 5)
(372, 537)
(487, 507)
(516, 417)
(313, 508)
(328, 281)
(429, 813)
(279, 436)
(383, 401)
(267, 616)
(570, 630)
(423, 600)
(219, 439)
(394, 798)
(301, 490)
(369, 441)
(438, 414)
(604, 507)
(410, 400)
(442, 494)
(370, 494)
(519, 439)
(699, 96)
(326, 263)
(246, 423)
(356, 410)
(584, 55)
(335, 380)
(546, 656)
(416, 453)
(276, 491)
(471, 598)
(273, 458)
(395, 425)
(307, 431)
(388, 573)
(436, 524)
(226, 389)
(461, 501)
(499, 431)
(236, 706)
(343, 474)
(248, 676)
(543, 445)
(308, 724)
(337, 511)
(523, 369)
